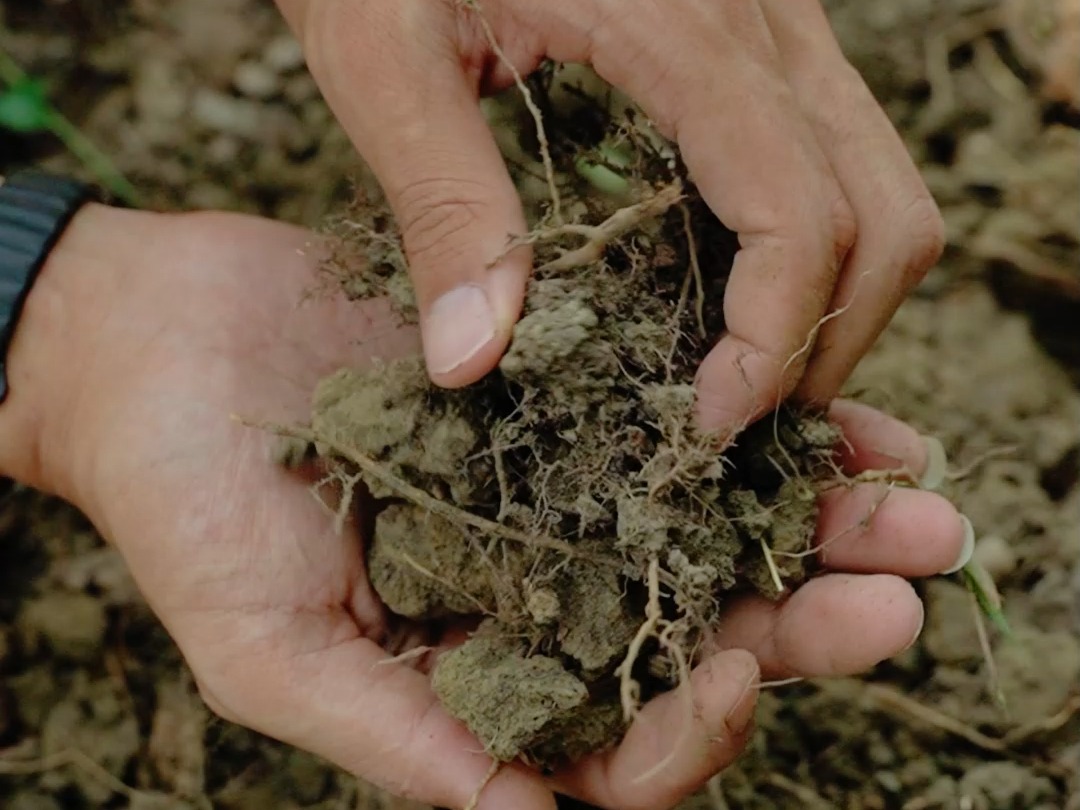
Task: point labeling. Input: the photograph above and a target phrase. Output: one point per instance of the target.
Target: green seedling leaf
(981, 584)
(24, 107)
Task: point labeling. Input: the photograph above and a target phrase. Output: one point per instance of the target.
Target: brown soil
(568, 497)
(89, 681)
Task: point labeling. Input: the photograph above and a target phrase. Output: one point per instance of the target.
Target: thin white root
(598, 237)
(628, 687)
(774, 572)
(493, 771)
(530, 104)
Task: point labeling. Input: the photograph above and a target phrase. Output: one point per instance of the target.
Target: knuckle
(843, 226)
(436, 217)
(924, 231)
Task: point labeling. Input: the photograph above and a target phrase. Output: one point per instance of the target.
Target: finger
(677, 742)
(840, 624)
(756, 162)
(409, 105)
(900, 232)
(349, 703)
(876, 441)
(874, 529)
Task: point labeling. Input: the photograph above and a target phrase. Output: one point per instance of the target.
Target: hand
(780, 133)
(144, 333)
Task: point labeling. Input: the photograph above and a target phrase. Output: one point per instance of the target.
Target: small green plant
(25, 108)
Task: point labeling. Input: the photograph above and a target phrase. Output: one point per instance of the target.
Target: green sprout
(25, 108)
(981, 585)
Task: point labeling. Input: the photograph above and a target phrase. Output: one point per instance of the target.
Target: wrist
(49, 359)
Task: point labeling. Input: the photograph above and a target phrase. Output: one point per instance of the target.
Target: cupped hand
(161, 328)
(779, 132)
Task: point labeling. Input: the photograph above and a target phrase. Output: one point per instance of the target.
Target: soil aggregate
(568, 497)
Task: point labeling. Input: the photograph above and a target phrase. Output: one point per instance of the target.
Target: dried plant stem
(62, 759)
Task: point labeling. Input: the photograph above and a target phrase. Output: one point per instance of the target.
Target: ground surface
(205, 103)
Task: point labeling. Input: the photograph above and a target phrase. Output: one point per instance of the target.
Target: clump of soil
(568, 497)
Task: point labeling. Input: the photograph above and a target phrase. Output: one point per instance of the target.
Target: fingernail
(742, 713)
(457, 326)
(966, 550)
(937, 463)
(918, 631)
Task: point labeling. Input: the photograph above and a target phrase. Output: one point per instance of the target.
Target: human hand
(779, 132)
(144, 333)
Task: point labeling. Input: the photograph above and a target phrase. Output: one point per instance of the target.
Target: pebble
(72, 625)
(994, 554)
(300, 89)
(284, 54)
(256, 80)
(223, 113)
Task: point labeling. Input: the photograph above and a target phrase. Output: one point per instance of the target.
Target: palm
(272, 607)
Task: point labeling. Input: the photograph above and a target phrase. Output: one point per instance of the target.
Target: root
(774, 572)
(695, 267)
(377, 471)
(493, 771)
(406, 657)
(427, 572)
(811, 339)
(684, 686)
(629, 689)
(530, 104)
(817, 548)
(598, 237)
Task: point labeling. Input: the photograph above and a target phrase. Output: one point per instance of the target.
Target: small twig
(890, 699)
(807, 798)
(1047, 725)
(65, 758)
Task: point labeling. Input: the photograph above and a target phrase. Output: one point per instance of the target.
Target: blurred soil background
(207, 104)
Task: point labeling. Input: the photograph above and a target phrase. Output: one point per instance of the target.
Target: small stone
(223, 150)
(222, 113)
(300, 88)
(284, 54)
(72, 625)
(256, 80)
(996, 556)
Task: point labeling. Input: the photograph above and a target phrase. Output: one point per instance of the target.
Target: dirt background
(206, 103)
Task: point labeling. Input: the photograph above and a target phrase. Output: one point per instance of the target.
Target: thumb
(410, 107)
